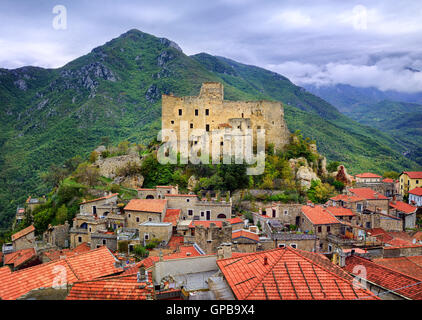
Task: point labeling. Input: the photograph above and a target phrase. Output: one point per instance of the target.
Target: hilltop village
(305, 230)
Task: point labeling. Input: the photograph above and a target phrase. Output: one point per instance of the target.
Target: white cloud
(291, 19)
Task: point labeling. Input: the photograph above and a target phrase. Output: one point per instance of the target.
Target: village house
(141, 210)
(374, 200)
(415, 197)
(367, 178)
(100, 207)
(83, 227)
(32, 203)
(208, 235)
(56, 254)
(317, 220)
(158, 192)
(24, 239)
(405, 212)
(57, 235)
(21, 259)
(149, 230)
(245, 241)
(410, 180)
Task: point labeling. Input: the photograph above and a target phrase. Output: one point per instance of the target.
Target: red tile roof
(367, 175)
(388, 180)
(164, 187)
(411, 266)
(181, 195)
(23, 232)
(317, 215)
(340, 211)
(416, 191)
(367, 193)
(19, 257)
(287, 274)
(346, 198)
(205, 223)
(245, 234)
(235, 220)
(146, 205)
(403, 207)
(414, 174)
(173, 216)
(386, 277)
(175, 242)
(102, 198)
(65, 253)
(123, 287)
(86, 266)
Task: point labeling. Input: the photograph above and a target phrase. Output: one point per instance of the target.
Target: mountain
(50, 115)
(396, 114)
(345, 97)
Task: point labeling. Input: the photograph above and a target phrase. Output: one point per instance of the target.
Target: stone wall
(109, 166)
(210, 109)
(209, 239)
(162, 231)
(58, 235)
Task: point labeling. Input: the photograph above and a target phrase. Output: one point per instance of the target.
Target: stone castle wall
(210, 110)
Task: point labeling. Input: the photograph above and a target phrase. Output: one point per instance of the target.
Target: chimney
(224, 251)
(265, 261)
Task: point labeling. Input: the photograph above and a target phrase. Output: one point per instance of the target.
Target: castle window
(196, 112)
(207, 112)
(207, 127)
(180, 112)
(191, 125)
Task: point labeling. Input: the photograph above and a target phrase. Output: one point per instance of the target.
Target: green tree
(332, 166)
(87, 174)
(320, 192)
(140, 251)
(391, 174)
(61, 215)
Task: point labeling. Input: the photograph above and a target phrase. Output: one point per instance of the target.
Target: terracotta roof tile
(386, 277)
(173, 216)
(181, 195)
(411, 266)
(318, 215)
(86, 266)
(403, 207)
(416, 191)
(65, 253)
(367, 175)
(346, 198)
(367, 193)
(414, 174)
(340, 211)
(388, 180)
(19, 257)
(123, 287)
(102, 198)
(23, 232)
(235, 220)
(147, 205)
(286, 274)
(245, 234)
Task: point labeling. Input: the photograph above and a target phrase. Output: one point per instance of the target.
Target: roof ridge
(284, 250)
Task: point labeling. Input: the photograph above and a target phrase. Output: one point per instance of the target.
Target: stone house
(83, 227)
(405, 212)
(209, 235)
(302, 241)
(155, 230)
(245, 241)
(196, 209)
(24, 239)
(141, 210)
(57, 235)
(367, 178)
(101, 238)
(318, 221)
(158, 193)
(286, 213)
(100, 207)
(374, 200)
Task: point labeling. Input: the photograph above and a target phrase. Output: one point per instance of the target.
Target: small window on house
(172, 121)
(202, 213)
(207, 127)
(80, 239)
(104, 241)
(293, 245)
(196, 112)
(286, 212)
(146, 236)
(149, 219)
(191, 125)
(207, 112)
(417, 181)
(190, 212)
(319, 229)
(90, 230)
(281, 245)
(330, 248)
(129, 215)
(137, 219)
(180, 112)
(328, 228)
(187, 200)
(258, 127)
(221, 143)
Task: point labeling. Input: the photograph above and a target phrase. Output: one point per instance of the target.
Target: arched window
(105, 213)
(150, 196)
(84, 226)
(221, 216)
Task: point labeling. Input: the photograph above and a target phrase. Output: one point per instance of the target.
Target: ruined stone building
(209, 111)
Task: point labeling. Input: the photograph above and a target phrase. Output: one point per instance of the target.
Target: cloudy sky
(362, 43)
